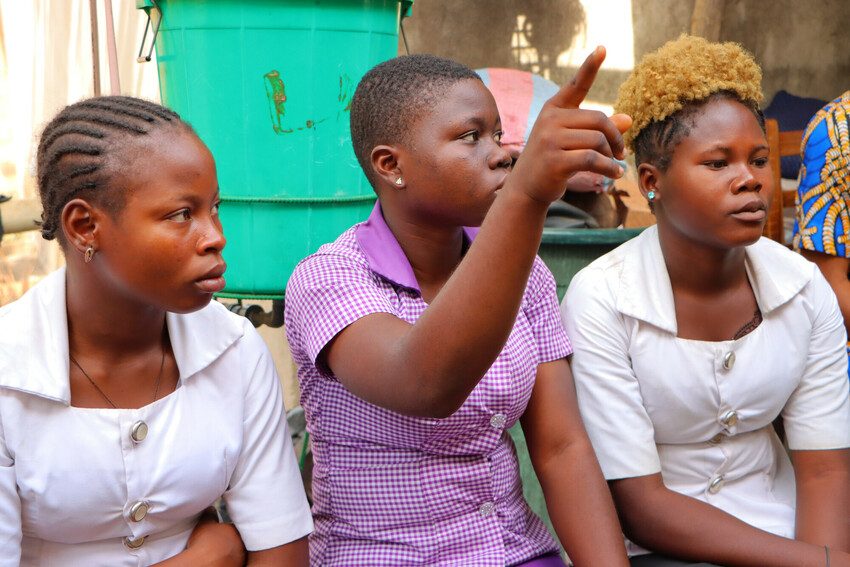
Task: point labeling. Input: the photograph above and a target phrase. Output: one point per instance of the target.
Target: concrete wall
(803, 46)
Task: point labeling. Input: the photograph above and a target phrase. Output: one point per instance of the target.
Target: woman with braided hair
(694, 337)
(129, 402)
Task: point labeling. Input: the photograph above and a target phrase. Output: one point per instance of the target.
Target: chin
(191, 305)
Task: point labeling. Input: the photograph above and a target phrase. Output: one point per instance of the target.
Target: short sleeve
(608, 391)
(326, 294)
(541, 310)
(10, 508)
(266, 498)
(817, 415)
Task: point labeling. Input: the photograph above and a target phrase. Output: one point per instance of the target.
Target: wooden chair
(780, 144)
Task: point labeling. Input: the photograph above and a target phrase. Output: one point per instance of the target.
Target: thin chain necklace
(102, 393)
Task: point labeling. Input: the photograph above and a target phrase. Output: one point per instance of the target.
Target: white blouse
(124, 487)
(700, 412)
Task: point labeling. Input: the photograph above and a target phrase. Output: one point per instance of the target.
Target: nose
(746, 180)
(212, 238)
(502, 157)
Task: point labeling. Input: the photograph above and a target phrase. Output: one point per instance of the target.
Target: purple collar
(384, 253)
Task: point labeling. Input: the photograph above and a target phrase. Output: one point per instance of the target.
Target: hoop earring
(89, 254)
(399, 181)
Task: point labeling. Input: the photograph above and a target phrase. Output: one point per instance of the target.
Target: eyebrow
(727, 150)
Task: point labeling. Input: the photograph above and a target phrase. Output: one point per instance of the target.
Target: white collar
(34, 340)
(776, 274)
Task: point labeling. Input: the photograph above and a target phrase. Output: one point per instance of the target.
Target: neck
(433, 251)
(698, 267)
(104, 323)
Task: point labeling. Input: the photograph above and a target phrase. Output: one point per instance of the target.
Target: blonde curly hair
(686, 70)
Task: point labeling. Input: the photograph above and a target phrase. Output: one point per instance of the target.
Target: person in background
(129, 401)
(587, 202)
(420, 340)
(692, 338)
(822, 223)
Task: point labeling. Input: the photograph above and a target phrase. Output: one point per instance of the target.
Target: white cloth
(653, 402)
(68, 476)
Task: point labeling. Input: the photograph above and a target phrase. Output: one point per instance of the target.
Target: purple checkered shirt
(390, 489)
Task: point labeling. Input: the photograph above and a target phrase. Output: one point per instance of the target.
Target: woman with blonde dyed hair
(693, 338)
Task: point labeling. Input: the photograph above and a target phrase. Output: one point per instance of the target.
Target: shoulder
(337, 262)
(605, 273)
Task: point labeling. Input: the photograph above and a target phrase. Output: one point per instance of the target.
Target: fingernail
(620, 171)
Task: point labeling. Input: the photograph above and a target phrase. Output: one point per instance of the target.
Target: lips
(753, 211)
(212, 281)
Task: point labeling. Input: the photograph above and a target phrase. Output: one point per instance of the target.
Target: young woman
(693, 338)
(129, 403)
(420, 341)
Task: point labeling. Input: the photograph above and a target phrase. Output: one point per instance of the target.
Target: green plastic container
(267, 84)
(566, 251)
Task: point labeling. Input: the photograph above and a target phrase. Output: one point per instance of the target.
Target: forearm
(672, 524)
(292, 554)
(581, 508)
(823, 506)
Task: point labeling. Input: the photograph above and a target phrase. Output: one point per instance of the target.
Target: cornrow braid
(76, 146)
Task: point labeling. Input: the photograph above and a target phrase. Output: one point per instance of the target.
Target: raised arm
(429, 368)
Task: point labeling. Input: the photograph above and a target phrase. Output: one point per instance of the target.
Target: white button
(139, 431)
(730, 418)
(498, 421)
(716, 484)
(138, 511)
(729, 360)
(486, 509)
(134, 543)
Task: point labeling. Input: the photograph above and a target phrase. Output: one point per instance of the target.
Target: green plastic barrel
(267, 84)
(566, 251)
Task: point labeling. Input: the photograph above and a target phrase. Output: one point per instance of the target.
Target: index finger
(572, 94)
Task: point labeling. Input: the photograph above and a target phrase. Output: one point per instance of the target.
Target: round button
(729, 360)
(138, 511)
(716, 439)
(716, 484)
(134, 543)
(486, 509)
(730, 418)
(139, 431)
(498, 421)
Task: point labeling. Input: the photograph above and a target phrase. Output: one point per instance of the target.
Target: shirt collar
(383, 252)
(34, 340)
(646, 292)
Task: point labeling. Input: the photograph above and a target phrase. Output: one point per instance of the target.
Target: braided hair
(77, 148)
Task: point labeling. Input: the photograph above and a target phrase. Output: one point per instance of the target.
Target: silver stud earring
(398, 181)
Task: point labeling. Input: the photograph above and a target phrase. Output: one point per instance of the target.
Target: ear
(79, 220)
(649, 180)
(386, 167)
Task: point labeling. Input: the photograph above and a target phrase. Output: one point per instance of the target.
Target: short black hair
(75, 148)
(658, 140)
(393, 95)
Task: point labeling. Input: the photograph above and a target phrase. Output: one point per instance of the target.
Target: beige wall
(803, 46)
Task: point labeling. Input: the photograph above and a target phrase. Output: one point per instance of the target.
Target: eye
(215, 207)
(181, 216)
(716, 164)
(471, 136)
(760, 162)
(498, 136)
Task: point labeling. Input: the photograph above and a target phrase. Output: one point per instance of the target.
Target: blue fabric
(793, 113)
(822, 217)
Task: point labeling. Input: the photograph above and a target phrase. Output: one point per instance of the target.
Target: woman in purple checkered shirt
(418, 347)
